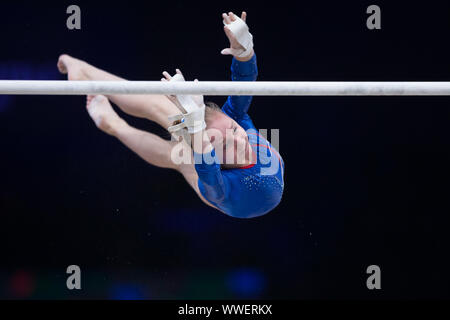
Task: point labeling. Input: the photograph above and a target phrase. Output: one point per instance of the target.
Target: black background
(366, 180)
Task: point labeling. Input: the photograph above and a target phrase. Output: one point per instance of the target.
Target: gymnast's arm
(215, 185)
(193, 121)
(243, 66)
(241, 70)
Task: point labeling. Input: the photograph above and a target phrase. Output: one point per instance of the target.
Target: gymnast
(247, 184)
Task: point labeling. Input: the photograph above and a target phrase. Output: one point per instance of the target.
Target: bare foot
(104, 116)
(74, 68)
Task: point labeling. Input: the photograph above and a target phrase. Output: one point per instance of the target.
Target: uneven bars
(226, 88)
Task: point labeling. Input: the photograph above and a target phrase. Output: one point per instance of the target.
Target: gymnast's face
(230, 141)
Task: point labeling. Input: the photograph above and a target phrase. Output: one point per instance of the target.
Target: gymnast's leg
(148, 146)
(156, 108)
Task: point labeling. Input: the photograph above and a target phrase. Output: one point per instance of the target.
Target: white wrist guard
(193, 116)
(193, 120)
(240, 30)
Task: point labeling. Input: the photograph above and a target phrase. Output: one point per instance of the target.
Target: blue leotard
(249, 191)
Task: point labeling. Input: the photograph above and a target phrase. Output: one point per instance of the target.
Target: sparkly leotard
(249, 191)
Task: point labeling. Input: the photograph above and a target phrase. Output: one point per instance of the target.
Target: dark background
(366, 180)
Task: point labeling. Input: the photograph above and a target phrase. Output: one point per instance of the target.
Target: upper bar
(227, 88)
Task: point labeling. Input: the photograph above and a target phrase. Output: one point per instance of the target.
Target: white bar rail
(226, 88)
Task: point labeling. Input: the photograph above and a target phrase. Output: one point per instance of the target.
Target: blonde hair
(211, 110)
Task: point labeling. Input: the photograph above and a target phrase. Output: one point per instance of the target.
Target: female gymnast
(247, 184)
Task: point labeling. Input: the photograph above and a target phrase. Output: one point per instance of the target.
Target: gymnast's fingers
(167, 75)
(226, 18)
(244, 15)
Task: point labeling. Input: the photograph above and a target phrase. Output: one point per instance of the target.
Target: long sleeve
(237, 106)
(212, 183)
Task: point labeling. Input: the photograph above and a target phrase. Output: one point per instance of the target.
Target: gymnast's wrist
(246, 58)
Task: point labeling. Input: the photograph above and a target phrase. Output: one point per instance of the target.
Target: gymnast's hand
(192, 107)
(241, 40)
(198, 99)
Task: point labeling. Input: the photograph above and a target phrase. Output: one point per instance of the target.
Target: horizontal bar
(226, 88)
